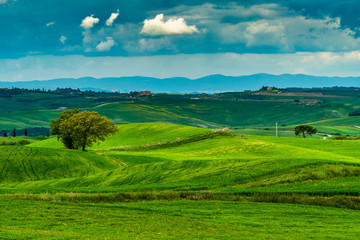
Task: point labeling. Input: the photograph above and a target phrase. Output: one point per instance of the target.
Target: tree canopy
(305, 130)
(55, 127)
(82, 129)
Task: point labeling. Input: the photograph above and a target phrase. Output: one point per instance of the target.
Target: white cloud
(89, 22)
(106, 46)
(112, 18)
(173, 26)
(63, 39)
(50, 24)
(261, 33)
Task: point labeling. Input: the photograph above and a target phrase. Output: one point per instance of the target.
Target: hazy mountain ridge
(211, 83)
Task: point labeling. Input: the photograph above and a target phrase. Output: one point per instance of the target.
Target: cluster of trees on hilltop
(355, 113)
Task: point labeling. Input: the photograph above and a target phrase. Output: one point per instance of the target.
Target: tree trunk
(83, 147)
(304, 134)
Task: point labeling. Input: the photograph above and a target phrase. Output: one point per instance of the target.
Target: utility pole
(276, 129)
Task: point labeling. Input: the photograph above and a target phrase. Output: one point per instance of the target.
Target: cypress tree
(25, 132)
(14, 133)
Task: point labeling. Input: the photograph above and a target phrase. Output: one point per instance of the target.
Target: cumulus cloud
(268, 27)
(50, 24)
(106, 45)
(62, 39)
(261, 33)
(89, 22)
(173, 26)
(112, 18)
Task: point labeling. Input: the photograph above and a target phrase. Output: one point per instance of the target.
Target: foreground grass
(173, 219)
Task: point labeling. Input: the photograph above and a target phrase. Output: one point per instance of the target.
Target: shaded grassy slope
(183, 110)
(224, 113)
(21, 164)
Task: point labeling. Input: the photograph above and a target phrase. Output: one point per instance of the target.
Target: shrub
(355, 137)
(355, 113)
(339, 137)
(23, 142)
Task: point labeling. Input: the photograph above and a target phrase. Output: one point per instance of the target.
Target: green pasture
(329, 116)
(49, 192)
(216, 162)
(174, 219)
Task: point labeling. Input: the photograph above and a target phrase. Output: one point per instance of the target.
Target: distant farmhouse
(145, 93)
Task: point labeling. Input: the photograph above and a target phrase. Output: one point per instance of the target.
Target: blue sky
(42, 40)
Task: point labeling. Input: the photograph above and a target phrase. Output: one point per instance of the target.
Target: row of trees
(77, 129)
(14, 133)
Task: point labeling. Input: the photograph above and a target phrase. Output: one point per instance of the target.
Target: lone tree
(305, 130)
(14, 132)
(25, 132)
(55, 127)
(84, 129)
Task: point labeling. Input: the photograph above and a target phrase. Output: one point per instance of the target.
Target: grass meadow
(173, 220)
(163, 181)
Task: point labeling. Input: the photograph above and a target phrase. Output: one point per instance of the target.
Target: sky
(43, 39)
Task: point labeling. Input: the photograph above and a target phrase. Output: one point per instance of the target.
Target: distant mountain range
(209, 84)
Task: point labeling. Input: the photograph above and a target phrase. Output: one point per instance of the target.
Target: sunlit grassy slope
(345, 126)
(137, 134)
(231, 164)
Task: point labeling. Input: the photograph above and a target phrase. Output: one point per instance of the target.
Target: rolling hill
(201, 159)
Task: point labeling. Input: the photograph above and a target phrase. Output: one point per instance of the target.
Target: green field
(174, 220)
(329, 115)
(163, 175)
(157, 180)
